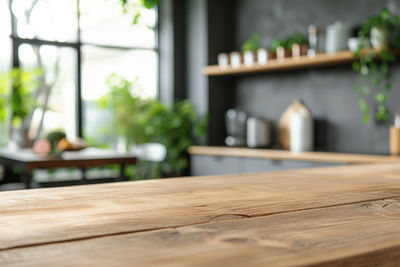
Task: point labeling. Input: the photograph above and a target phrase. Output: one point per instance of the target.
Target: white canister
(301, 133)
(249, 58)
(262, 56)
(337, 35)
(257, 133)
(235, 59)
(223, 60)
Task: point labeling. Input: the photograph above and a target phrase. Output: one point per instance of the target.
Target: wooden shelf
(338, 58)
(287, 155)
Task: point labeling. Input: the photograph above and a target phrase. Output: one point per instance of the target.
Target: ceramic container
(301, 133)
(258, 132)
(337, 36)
(223, 60)
(379, 38)
(262, 56)
(355, 42)
(249, 58)
(282, 53)
(235, 59)
(299, 50)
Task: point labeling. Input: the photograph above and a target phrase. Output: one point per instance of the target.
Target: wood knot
(386, 207)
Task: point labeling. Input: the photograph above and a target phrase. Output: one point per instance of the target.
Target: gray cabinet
(215, 165)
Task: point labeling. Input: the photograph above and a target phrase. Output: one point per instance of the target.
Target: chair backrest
(154, 152)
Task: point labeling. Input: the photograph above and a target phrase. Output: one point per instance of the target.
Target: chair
(149, 155)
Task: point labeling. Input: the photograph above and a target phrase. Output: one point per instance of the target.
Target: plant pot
(236, 59)
(299, 50)
(249, 58)
(223, 60)
(282, 53)
(271, 55)
(379, 38)
(355, 43)
(262, 56)
(304, 49)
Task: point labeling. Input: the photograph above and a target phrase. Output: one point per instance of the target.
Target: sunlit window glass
(77, 45)
(54, 20)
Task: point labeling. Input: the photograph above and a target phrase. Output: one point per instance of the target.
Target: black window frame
(16, 42)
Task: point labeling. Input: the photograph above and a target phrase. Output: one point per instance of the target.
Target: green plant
(136, 7)
(279, 43)
(384, 20)
(374, 66)
(149, 120)
(17, 100)
(297, 38)
(253, 44)
(288, 41)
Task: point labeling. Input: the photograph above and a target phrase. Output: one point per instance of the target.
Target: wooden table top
(275, 154)
(348, 216)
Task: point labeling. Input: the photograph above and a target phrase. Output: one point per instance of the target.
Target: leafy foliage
(384, 20)
(16, 94)
(289, 41)
(137, 6)
(253, 44)
(374, 66)
(149, 120)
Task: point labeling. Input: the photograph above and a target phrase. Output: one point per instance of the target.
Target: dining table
(26, 161)
(331, 216)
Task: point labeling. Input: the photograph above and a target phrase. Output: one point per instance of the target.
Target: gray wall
(326, 91)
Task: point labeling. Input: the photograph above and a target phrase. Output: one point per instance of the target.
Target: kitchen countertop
(347, 215)
(288, 155)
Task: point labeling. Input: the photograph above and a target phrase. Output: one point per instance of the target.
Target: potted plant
(140, 121)
(250, 48)
(281, 48)
(378, 28)
(373, 65)
(298, 44)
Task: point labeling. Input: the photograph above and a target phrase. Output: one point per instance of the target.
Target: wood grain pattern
(342, 57)
(287, 155)
(303, 217)
(364, 234)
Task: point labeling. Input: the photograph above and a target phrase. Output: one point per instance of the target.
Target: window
(77, 53)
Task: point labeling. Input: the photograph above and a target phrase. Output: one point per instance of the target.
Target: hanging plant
(382, 31)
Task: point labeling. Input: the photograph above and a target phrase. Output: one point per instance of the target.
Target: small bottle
(312, 40)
